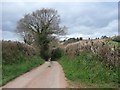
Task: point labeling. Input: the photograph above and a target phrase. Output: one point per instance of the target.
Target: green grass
(88, 70)
(12, 71)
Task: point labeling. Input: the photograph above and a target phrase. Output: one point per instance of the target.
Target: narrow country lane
(41, 77)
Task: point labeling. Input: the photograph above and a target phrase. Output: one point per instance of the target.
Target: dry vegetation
(92, 62)
(106, 52)
(12, 52)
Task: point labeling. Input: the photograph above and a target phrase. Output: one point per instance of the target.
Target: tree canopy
(40, 27)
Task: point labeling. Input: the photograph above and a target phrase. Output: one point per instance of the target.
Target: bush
(13, 52)
(56, 54)
(107, 53)
(17, 58)
(45, 55)
(117, 39)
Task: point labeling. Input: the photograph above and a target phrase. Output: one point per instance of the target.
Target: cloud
(93, 32)
(61, 1)
(0, 34)
(91, 19)
(111, 28)
(8, 35)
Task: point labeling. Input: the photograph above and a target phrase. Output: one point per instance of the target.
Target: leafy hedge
(117, 39)
(17, 58)
(56, 54)
(13, 52)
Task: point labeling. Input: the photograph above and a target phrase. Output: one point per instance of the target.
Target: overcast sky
(83, 19)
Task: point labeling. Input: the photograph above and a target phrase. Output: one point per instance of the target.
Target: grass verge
(9, 72)
(88, 70)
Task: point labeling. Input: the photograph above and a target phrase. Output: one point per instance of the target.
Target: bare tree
(41, 27)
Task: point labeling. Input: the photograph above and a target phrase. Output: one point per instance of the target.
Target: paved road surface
(41, 77)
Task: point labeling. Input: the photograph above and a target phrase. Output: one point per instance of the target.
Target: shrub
(17, 58)
(56, 54)
(13, 52)
(117, 39)
(45, 55)
(108, 54)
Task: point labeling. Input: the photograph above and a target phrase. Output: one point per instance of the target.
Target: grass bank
(17, 58)
(14, 70)
(85, 69)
